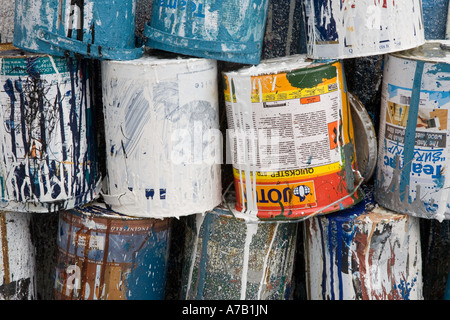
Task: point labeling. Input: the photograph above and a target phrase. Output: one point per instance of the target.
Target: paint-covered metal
(365, 138)
(6, 21)
(229, 30)
(414, 134)
(48, 135)
(106, 256)
(363, 253)
(291, 138)
(17, 257)
(349, 29)
(435, 13)
(162, 135)
(231, 257)
(284, 27)
(101, 29)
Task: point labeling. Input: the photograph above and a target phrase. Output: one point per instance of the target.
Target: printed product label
(296, 136)
(430, 142)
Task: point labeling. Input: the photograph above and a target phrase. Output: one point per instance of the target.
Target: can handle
(212, 46)
(87, 49)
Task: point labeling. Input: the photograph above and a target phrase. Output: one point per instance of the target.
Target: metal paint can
(365, 139)
(6, 21)
(48, 134)
(348, 29)
(284, 27)
(435, 13)
(290, 138)
(162, 136)
(230, 257)
(17, 257)
(413, 134)
(229, 30)
(105, 256)
(100, 29)
(363, 253)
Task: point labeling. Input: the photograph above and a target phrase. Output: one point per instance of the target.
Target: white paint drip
(265, 269)
(199, 218)
(250, 232)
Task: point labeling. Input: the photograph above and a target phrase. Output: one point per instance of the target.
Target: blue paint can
(106, 256)
(435, 13)
(100, 29)
(48, 135)
(414, 145)
(229, 30)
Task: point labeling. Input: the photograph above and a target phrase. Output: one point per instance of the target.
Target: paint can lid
(365, 138)
(434, 51)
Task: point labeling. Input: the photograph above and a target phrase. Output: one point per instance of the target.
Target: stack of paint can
(112, 137)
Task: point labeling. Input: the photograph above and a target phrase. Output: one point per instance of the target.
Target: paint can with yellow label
(290, 138)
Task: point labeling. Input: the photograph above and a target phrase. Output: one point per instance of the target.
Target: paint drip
(234, 257)
(17, 257)
(162, 136)
(413, 134)
(100, 29)
(363, 253)
(291, 139)
(105, 256)
(48, 136)
(349, 29)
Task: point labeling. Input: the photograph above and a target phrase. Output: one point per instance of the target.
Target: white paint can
(414, 145)
(349, 29)
(163, 143)
(17, 257)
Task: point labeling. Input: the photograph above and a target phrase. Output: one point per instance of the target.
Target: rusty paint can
(17, 257)
(291, 138)
(413, 133)
(99, 29)
(48, 134)
(228, 30)
(363, 253)
(230, 257)
(106, 256)
(349, 29)
(162, 136)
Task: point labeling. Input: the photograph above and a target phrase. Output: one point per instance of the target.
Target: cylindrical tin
(284, 27)
(228, 257)
(6, 21)
(291, 138)
(162, 136)
(105, 256)
(229, 30)
(363, 253)
(435, 13)
(17, 257)
(365, 138)
(413, 133)
(48, 135)
(101, 29)
(349, 29)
